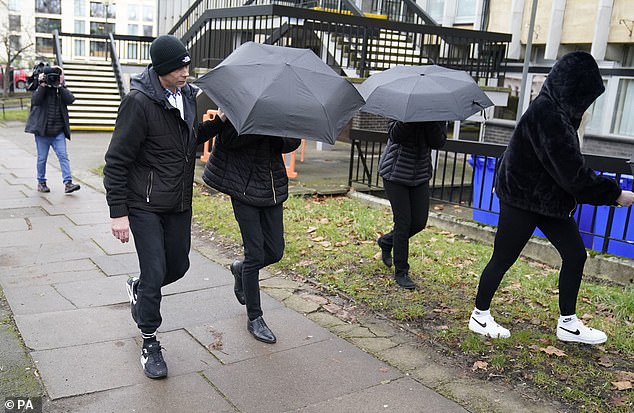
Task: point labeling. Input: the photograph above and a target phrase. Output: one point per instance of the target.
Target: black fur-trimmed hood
(542, 169)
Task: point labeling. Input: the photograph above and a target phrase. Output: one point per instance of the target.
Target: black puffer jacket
(406, 159)
(542, 169)
(249, 168)
(40, 104)
(151, 158)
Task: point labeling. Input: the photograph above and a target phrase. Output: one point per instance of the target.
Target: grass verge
(332, 241)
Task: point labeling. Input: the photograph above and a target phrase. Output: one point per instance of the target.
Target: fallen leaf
(324, 221)
(622, 385)
(551, 350)
(341, 243)
(310, 230)
(325, 244)
(618, 401)
(318, 239)
(480, 365)
(605, 362)
(624, 376)
(314, 298)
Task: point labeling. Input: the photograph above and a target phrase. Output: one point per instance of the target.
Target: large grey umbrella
(281, 91)
(423, 93)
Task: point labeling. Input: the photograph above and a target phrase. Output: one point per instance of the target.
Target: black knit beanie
(168, 53)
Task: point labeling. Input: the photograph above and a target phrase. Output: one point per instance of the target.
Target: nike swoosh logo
(576, 332)
(479, 323)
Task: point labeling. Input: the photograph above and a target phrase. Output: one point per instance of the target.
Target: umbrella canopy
(423, 93)
(281, 91)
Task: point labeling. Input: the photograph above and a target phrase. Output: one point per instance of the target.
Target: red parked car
(19, 77)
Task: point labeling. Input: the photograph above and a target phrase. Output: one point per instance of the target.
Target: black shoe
(71, 187)
(236, 270)
(152, 360)
(41, 187)
(130, 287)
(386, 252)
(404, 281)
(261, 331)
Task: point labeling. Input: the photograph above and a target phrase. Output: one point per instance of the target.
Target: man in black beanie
(149, 176)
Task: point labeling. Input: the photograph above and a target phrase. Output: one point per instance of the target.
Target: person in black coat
(540, 180)
(48, 120)
(251, 170)
(406, 169)
(149, 176)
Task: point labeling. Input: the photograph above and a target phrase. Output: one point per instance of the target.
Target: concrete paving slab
(40, 236)
(85, 232)
(201, 277)
(187, 393)
(13, 224)
(88, 218)
(22, 202)
(399, 396)
(230, 341)
(77, 370)
(94, 292)
(338, 367)
(36, 299)
(117, 264)
(76, 327)
(57, 272)
(47, 253)
(110, 245)
(22, 212)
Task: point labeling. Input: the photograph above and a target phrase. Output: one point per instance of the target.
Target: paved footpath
(63, 275)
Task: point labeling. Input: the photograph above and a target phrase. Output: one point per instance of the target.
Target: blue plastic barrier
(616, 247)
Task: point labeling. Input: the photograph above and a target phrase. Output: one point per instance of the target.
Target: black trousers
(262, 230)
(515, 227)
(162, 244)
(410, 210)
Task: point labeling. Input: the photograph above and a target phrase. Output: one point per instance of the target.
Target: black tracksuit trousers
(262, 230)
(162, 244)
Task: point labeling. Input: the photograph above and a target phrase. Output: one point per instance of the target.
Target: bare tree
(12, 49)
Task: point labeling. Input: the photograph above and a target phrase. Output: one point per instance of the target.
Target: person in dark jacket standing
(48, 121)
(406, 169)
(250, 169)
(540, 180)
(148, 177)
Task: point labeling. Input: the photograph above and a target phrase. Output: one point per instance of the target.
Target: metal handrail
(116, 65)
(57, 49)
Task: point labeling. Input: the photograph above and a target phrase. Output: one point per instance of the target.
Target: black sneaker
(152, 360)
(41, 187)
(386, 252)
(71, 187)
(404, 281)
(236, 270)
(130, 288)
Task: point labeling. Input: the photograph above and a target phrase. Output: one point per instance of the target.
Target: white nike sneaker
(571, 329)
(485, 324)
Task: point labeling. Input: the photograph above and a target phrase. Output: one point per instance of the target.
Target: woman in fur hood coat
(540, 180)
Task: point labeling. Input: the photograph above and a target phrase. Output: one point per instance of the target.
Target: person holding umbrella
(540, 180)
(406, 169)
(251, 170)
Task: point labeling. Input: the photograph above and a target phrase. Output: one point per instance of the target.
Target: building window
(596, 114)
(436, 9)
(46, 25)
(133, 12)
(465, 9)
(15, 42)
(44, 45)
(147, 30)
(97, 10)
(133, 29)
(48, 6)
(148, 13)
(623, 123)
(80, 26)
(132, 50)
(14, 5)
(80, 47)
(15, 23)
(98, 49)
(80, 8)
(101, 28)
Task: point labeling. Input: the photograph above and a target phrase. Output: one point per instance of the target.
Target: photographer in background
(48, 121)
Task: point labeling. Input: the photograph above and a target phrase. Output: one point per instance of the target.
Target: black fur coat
(542, 169)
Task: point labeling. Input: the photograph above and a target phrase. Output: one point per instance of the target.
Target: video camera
(51, 76)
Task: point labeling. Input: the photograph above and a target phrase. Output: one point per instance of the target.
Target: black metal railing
(129, 49)
(351, 45)
(116, 66)
(463, 176)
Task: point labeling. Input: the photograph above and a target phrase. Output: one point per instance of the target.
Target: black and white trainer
(154, 365)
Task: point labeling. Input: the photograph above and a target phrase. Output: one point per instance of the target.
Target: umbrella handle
(484, 114)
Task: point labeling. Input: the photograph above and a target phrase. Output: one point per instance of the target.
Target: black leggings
(410, 210)
(515, 228)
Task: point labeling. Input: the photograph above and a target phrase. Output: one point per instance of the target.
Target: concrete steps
(96, 95)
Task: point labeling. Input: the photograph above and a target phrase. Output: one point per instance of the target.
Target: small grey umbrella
(423, 93)
(281, 91)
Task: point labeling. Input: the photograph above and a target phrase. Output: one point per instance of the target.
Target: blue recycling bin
(618, 229)
(486, 203)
